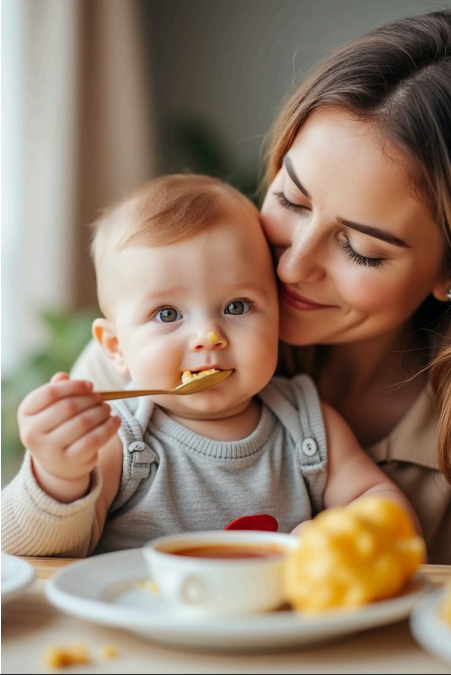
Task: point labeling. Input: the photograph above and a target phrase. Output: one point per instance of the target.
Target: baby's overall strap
(297, 405)
(137, 455)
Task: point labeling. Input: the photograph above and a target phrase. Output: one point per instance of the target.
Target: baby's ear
(103, 332)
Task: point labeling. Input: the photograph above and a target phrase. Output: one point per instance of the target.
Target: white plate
(429, 629)
(105, 589)
(17, 574)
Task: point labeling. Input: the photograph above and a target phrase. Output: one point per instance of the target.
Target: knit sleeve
(35, 524)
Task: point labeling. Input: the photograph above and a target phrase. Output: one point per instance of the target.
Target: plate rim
(427, 628)
(264, 625)
(25, 577)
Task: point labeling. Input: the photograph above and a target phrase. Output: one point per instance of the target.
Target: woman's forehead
(349, 168)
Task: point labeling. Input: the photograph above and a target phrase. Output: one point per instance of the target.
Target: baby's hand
(64, 424)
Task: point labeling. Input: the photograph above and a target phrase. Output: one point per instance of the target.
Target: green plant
(67, 334)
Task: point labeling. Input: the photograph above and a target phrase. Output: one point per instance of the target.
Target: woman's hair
(441, 385)
(398, 79)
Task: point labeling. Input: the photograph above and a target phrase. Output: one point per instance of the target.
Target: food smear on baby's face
(212, 337)
(350, 556)
(189, 376)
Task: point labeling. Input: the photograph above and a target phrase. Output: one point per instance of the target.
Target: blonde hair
(166, 210)
(397, 78)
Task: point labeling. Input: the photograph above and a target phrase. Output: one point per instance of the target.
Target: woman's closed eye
(346, 246)
(286, 204)
(358, 258)
(167, 314)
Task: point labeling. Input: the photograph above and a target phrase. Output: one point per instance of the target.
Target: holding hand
(64, 424)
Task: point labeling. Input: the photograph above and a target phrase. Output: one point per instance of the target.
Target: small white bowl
(200, 586)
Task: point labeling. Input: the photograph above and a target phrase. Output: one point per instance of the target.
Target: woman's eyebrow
(374, 232)
(290, 171)
(365, 229)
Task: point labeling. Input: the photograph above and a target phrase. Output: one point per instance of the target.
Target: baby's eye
(167, 315)
(238, 307)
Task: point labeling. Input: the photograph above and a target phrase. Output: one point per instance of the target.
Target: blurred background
(100, 95)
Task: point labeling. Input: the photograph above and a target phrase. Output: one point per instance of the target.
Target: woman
(358, 210)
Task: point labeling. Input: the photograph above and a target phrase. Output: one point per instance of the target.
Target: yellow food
(61, 657)
(350, 556)
(445, 606)
(109, 651)
(149, 585)
(75, 654)
(212, 337)
(188, 376)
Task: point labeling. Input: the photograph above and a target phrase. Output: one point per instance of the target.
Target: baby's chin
(204, 408)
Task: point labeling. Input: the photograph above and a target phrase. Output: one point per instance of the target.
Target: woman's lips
(298, 302)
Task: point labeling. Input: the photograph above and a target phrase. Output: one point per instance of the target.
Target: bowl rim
(233, 537)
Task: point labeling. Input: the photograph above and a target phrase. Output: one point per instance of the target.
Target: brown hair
(441, 385)
(397, 78)
(164, 211)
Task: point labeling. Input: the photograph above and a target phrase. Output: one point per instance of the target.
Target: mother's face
(357, 252)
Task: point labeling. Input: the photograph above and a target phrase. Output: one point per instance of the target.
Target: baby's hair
(166, 210)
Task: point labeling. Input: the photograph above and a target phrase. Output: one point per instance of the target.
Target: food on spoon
(189, 376)
(353, 555)
(444, 609)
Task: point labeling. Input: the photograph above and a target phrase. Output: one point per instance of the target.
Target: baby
(186, 282)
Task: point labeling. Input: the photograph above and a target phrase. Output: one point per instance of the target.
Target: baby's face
(209, 302)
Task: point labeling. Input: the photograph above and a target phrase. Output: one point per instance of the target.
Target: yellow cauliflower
(349, 556)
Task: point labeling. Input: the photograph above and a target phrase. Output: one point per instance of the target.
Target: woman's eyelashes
(283, 201)
(360, 259)
(346, 246)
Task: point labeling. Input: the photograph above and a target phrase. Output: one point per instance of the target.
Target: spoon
(192, 387)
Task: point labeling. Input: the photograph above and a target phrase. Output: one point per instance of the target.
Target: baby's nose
(211, 340)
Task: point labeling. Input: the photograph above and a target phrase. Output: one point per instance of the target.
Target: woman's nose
(210, 340)
(302, 261)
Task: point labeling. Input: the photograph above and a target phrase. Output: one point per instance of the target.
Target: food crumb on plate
(109, 651)
(148, 585)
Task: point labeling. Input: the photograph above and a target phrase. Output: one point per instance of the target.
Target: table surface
(30, 625)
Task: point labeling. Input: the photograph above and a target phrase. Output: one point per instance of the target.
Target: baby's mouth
(189, 375)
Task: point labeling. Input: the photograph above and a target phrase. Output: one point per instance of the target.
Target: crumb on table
(61, 657)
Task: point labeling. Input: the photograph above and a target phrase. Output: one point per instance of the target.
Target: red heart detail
(261, 521)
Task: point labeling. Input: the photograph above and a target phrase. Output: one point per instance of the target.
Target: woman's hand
(64, 424)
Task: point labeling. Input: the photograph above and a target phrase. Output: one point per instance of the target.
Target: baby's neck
(233, 427)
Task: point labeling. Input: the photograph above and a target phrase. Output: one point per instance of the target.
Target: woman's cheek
(364, 291)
